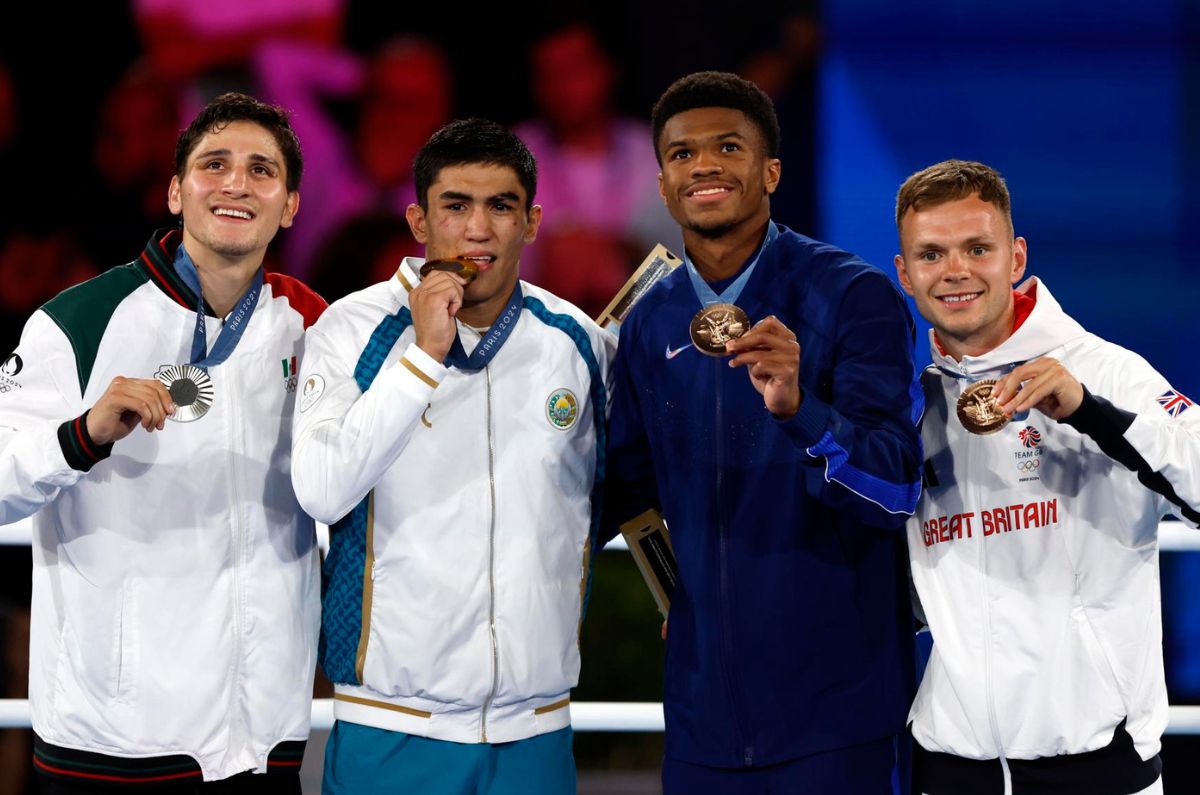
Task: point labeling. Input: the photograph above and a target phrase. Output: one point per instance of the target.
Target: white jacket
(462, 508)
(175, 582)
(1035, 553)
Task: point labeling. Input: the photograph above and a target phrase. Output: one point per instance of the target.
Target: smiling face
(478, 211)
(233, 195)
(716, 175)
(959, 261)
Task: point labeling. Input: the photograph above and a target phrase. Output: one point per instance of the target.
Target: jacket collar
(1046, 328)
(158, 262)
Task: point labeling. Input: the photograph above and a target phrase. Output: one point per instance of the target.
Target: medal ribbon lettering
(492, 341)
(235, 326)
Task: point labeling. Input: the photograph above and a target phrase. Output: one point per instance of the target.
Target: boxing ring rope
(616, 716)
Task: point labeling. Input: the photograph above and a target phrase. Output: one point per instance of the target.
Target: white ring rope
(616, 716)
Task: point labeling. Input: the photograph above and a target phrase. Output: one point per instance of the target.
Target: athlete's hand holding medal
(126, 404)
(771, 354)
(436, 300)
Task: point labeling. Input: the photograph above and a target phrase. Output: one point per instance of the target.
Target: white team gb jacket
(175, 582)
(462, 507)
(1035, 553)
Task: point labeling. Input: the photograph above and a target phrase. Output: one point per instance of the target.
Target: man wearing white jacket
(1051, 455)
(450, 429)
(175, 579)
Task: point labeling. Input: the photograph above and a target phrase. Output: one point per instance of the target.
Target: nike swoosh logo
(671, 354)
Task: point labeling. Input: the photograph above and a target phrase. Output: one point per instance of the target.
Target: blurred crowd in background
(1088, 109)
(92, 99)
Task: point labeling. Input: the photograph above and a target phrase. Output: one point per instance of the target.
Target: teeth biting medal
(466, 268)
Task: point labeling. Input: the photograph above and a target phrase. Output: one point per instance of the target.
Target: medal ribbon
(707, 295)
(492, 341)
(235, 326)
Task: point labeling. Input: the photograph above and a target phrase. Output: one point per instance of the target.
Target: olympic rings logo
(1029, 464)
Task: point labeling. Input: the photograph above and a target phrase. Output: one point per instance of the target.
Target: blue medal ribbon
(492, 341)
(235, 326)
(730, 294)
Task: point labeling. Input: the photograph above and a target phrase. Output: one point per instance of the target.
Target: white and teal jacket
(462, 509)
(175, 580)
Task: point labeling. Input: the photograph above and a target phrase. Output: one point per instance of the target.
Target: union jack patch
(1173, 402)
(1029, 436)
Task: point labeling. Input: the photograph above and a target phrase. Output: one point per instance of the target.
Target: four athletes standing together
(471, 440)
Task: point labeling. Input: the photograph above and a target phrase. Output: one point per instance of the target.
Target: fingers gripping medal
(465, 268)
(978, 410)
(191, 390)
(717, 324)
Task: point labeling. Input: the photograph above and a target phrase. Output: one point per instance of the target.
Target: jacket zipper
(238, 542)
(989, 695)
(746, 752)
(491, 560)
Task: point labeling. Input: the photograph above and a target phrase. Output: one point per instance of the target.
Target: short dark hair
(231, 107)
(951, 180)
(473, 141)
(717, 90)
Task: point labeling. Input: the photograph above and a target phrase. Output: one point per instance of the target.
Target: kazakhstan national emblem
(562, 408)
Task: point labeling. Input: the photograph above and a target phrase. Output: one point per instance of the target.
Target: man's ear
(174, 200)
(416, 222)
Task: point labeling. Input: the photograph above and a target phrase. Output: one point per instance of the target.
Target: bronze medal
(717, 324)
(977, 409)
(465, 268)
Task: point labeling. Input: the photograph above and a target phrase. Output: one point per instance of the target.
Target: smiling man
(1051, 455)
(144, 420)
(451, 432)
(785, 461)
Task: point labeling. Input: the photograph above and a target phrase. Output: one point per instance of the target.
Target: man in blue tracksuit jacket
(785, 473)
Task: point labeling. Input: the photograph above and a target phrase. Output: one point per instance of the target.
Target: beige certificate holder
(656, 265)
(650, 544)
(646, 535)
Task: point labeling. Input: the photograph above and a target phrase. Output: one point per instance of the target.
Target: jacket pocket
(124, 666)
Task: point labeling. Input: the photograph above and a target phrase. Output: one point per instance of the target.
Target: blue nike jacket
(790, 628)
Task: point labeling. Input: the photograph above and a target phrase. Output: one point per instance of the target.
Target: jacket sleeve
(44, 444)
(864, 446)
(345, 439)
(1150, 429)
(630, 487)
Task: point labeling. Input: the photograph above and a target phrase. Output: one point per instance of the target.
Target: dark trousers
(859, 770)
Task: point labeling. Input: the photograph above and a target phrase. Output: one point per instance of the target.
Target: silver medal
(191, 390)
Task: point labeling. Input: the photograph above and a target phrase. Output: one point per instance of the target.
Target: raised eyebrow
(725, 136)
(255, 157)
(213, 153)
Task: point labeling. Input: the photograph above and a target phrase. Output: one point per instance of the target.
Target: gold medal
(191, 390)
(977, 408)
(717, 324)
(463, 267)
